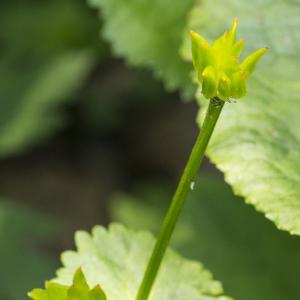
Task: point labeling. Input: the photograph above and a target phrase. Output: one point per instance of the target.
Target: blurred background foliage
(217, 228)
(86, 138)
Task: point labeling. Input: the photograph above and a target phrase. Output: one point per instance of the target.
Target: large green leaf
(149, 34)
(257, 141)
(243, 249)
(38, 28)
(116, 259)
(23, 263)
(29, 102)
(45, 55)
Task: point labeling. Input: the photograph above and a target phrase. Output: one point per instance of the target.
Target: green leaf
(46, 53)
(257, 141)
(52, 291)
(62, 25)
(29, 101)
(23, 262)
(149, 34)
(79, 290)
(116, 259)
(243, 249)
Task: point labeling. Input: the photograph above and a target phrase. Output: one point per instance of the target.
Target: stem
(179, 198)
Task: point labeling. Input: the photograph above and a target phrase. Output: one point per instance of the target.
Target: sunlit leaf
(116, 259)
(257, 141)
(149, 34)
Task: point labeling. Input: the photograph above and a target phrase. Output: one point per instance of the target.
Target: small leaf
(52, 291)
(79, 281)
(79, 290)
(97, 293)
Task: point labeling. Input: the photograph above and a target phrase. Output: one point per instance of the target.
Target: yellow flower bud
(218, 67)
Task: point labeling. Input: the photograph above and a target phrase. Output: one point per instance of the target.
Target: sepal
(249, 63)
(210, 82)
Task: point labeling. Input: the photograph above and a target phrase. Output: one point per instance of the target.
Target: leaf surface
(116, 259)
(243, 249)
(46, 53)
(29, 102)
(23, 263)
(149, 34)
(257, 141)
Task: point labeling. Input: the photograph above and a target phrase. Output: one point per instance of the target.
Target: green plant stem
(179, 198)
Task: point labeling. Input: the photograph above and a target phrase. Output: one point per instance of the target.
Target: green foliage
(23, 264)
(255, 146)
(243, 249)
(116, 259)
(256, 141)
(39, 28)
(79, 290)
(149, 34)
(29, 102)
(46, 53)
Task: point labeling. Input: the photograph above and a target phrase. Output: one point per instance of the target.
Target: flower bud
(218, 67)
